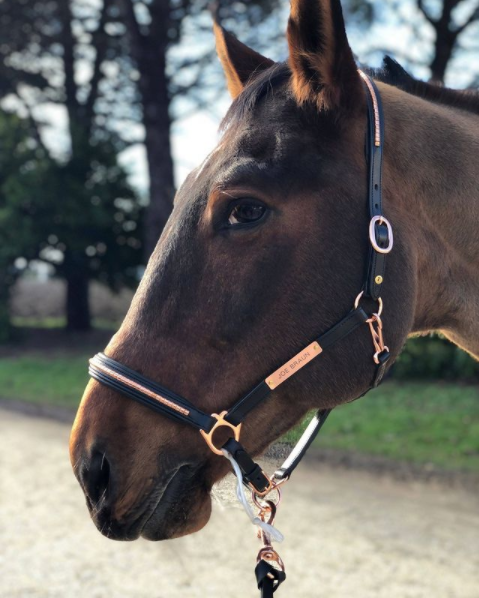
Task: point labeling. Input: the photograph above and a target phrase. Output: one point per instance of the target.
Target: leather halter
(164, 401)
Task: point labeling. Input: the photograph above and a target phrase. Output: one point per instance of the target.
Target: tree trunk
(149, 49)
(446, 36)
(443, 49)
(77, 303)
(75, 265)
(157, 122)
(5, 324)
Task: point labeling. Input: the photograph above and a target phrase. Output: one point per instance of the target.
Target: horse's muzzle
(174, 505)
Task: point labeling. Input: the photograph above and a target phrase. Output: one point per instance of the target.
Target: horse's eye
(246, 212)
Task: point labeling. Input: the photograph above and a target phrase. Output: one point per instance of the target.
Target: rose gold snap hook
(268, 553)
(261, 505)
(270, 509)
(380, 303)
(377, 336)
(220, 423)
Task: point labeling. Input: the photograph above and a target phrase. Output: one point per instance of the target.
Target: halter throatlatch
(270, 568)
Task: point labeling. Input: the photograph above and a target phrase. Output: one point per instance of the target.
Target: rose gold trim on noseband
(293, 365)
(377, 121)
(139, 387)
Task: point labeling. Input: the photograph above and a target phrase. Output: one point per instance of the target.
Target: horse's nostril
(96, 477)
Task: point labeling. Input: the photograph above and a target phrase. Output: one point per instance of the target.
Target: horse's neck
(440, 146)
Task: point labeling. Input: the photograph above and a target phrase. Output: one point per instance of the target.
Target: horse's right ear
(322, 63)
(240, 63)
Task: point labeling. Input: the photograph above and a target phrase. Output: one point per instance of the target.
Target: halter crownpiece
(270, 569)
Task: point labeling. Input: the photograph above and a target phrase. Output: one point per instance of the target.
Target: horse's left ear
(240, 63)
(323, 65)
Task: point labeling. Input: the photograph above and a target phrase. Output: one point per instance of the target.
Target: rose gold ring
(372, 234)
(266, 503)
(220, 423)
(380, 304)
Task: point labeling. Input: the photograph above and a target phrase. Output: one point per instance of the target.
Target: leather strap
(298, 452)
(252, 472)
(139, 388)
(343, 328)
(376, 261)
(103, 369)
(268, 578)
(240, 410)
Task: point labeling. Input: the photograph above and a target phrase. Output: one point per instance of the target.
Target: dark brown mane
(393, 73)
(258, 87)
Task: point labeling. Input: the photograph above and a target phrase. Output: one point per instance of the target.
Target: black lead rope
(268, 578)
(156, 397)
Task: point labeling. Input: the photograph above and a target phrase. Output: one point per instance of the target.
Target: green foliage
(81, 215)
(88, 216)
(435, 358)
(21, 167)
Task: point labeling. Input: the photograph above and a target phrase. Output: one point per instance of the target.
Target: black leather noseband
(162, 400)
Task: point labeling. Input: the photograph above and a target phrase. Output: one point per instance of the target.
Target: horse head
(265, 249)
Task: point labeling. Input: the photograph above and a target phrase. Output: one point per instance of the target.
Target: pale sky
(194, 137)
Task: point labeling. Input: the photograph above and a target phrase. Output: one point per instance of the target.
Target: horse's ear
(323, 65)
(240, 63)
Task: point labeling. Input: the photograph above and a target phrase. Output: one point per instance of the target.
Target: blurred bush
(434, 357)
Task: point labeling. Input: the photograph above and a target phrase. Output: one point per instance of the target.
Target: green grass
(417, 422)
(45, 380)
(48, 322)
(60, 322)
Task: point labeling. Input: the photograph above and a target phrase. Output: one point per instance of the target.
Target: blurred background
(105, 106)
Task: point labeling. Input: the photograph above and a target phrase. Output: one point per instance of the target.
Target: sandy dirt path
(348, 535)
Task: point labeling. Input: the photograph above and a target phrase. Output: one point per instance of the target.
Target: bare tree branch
(132, 23)
(420, 5)
(67, 40)
(100, 45)
(34, 125)
(474, 17)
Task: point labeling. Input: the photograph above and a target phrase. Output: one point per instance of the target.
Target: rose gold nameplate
(293, 365)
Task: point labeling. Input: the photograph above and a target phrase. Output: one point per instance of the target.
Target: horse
(265, 248)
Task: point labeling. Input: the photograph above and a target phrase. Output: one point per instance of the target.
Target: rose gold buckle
(220, 423)
(372, 234)
(260, 493)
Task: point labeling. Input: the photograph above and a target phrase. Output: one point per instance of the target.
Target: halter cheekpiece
(266, 490)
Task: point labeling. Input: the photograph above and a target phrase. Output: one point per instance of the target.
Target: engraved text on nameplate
(293, 365)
